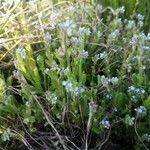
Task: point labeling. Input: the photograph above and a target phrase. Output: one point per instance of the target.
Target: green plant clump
(80, 77)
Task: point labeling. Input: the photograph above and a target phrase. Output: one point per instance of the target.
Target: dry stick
(10, 49)
(49, 122)
(105, 140)
(23, 37)
(88, 130)
(2, 148)
(23, 139)
(135, 126)
(11, 11)
(28, 132)
(72, 143)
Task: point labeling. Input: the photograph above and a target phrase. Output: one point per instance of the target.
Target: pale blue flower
(141, 111)
(84, 30)
(134, 90)
(105, 123)
(73, 89)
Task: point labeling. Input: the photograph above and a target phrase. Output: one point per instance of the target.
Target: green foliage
(79, 69)
(132, 6)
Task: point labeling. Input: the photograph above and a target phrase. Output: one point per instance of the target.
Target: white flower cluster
(105, 123)
(128, 67)
(101, 55)
(130, 120)
(141, 111)
(146, 48)
(68, 26)
(84, 54)
(114, 34)
(73, 89)
(134, 99)
(64, 71)
(140, 19)
(139, 38)
(146, 137)
(83, 30)
(51, 97)
(93, 107)
(108, 95)
(6, 135)
(109, 81)
(134, 90)
(75, 41)
(130, 25)
(120, 10)
(61, 51)
(54, 67)
(28, 103)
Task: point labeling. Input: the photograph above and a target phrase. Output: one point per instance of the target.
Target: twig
(50, 123)
(135, 127)
(88, 130)
(107, 138)
(72, 143)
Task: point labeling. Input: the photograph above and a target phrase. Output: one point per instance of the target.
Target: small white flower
(146, 48)
(75, 41)
(114, 80)
(140, 23)
(131, 88)
(68, 25)
(6, 135)
(131, 24)
(54, 67)
(28, 103)
(146, 137)
(64, 71)
(22, 52)
(72, 89)
(141, 111)
(51, 97)
(84, 54)
(140, 17)
(130, 120)
(133, 99)
(114, 34)
(93, 107)
(47, 70)
(105, 123)
(104, 80)
(121, 10)
(148, 37)
(101, 55)
(83, 30)
(128, 67)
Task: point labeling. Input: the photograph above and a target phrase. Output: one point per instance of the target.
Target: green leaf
(120, 100)
(137, 79)
(147, 103)
(40, 62)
